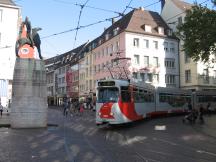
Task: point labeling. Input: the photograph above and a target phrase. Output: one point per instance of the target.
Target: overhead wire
(87, 6)
(80, 27)
(127, 7)
(78, 23)
(107, 19)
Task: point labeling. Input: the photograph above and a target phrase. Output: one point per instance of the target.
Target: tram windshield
(108, 94)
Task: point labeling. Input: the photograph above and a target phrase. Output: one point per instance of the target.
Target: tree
(199, 33)
(214, 2)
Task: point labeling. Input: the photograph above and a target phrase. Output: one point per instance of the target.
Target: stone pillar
(29, 94)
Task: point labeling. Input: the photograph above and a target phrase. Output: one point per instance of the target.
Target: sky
(59, 19)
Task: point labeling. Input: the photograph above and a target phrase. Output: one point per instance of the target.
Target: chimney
(162, 4)
(141, 8)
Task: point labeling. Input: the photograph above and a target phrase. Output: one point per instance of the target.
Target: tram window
(148, 97)
(125, 94)
(107, 94)
(142, 97)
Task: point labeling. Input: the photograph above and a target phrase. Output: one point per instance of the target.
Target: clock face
(26, 51)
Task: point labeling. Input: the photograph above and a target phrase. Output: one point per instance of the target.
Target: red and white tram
(120, 101)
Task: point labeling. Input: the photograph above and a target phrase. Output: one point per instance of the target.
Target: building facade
(139, 47)
(9, 25)
(193, 75)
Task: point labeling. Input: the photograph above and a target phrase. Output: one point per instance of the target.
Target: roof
(182, 5)
(7, 2)
(67, 57)
(134, 21)
(141, 17)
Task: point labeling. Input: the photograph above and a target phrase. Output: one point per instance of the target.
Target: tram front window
(107, 95)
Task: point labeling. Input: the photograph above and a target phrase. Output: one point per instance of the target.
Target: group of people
(76, 107)
(194, 114)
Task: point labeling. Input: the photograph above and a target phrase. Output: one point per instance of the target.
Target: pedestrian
(65, 104)
(189, 106)
(1, 109)
(200, 114)
(81, 108)
(208, 108)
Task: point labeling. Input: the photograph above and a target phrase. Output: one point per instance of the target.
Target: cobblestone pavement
(77, 139)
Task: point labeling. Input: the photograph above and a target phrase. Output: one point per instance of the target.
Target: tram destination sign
(106, 83)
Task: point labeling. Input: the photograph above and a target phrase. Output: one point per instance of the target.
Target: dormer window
(169, 32)
(160, 30)
(107, 36)
(147, 28)
(115, 31)
(100, 42)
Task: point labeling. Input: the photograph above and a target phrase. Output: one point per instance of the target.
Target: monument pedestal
(29, 96)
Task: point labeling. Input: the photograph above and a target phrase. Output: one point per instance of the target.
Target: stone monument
(29, 91)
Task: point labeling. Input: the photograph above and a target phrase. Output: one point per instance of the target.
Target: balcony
(206, 80)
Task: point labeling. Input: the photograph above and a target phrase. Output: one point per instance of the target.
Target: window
(99, 68)
(59, 80)
(172, 47)
(155, 61)
(149, 77)
(107, 36)
(102, 52)
(206, 75)
(147, 28)
(142, 76)
(136, 59)
(1, 13)
(156, 77)
(95, 69)
(160, 30)
(125, 94)
(146, 61)
(115, 31)
(108, 94)
(107, 50)
(135, 75)
(117, 46)
(63, 79)
(170, 79)
(179, 20)
(146, 43)
(170, 63)
(166, 46)
(155, 44)
(187, 58)
(187, 76)
(136, 42)
(214, 79)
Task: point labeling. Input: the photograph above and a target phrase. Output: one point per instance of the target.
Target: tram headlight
(111, 114)
(99, 113)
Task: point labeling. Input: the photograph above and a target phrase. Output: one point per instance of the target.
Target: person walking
(1, 109)
(201, 111)
(65, 104)
(208, 108)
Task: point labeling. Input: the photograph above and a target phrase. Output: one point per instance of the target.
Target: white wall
(152, 52)
(8, 32)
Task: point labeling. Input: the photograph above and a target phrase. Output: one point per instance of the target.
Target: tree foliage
(199, 33)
